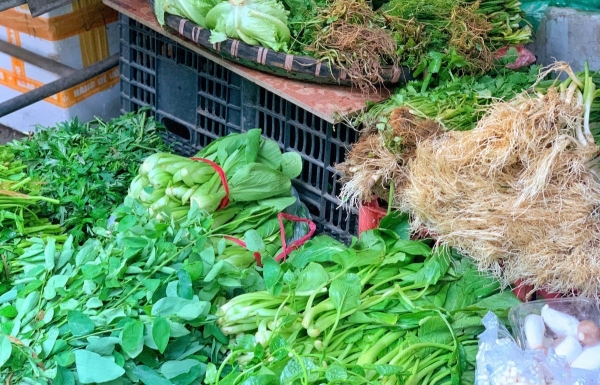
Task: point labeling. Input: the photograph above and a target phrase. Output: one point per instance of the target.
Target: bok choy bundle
(237, 168)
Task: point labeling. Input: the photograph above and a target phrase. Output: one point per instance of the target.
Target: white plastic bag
(500, 361)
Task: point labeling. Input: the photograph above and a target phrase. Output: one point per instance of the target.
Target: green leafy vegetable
(256, 22)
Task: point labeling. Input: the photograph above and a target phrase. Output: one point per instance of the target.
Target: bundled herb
(456, 104)
(352, 36)
(519, 193)
(20, 210)
(87, 167)
(388, 310)
(456, 35)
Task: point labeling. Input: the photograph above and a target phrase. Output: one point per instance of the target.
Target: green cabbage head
(194, 10)
(255, 22)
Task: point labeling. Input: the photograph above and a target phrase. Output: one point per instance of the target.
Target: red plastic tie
(239, 242)
(219, 170)
(288, 249)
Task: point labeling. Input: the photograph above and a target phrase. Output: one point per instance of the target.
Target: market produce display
(122, 263)
(432, 39)
(388, 310)
(135, 300)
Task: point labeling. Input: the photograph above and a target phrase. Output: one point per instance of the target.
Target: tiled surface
(326, 101)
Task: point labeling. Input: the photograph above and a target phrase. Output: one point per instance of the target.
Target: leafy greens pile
(387, 310)
(135, 302)
(457, 103)
(87, 167)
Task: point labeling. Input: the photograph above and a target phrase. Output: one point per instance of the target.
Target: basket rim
(278, 63)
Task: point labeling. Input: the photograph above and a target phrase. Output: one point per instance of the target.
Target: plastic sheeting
(535, 9)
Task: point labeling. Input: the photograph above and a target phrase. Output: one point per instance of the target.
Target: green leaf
(49, 254)
(8, 311)
(64, 376)
(126, 223)
(293, 370)
(435, 267)
(398, 222)
(277, 347)
(271, 272)
(498, 303)
(149, 376)
(319, 249)
(194, 269)
(161, 332)
(134, 242)
(336, 372)
(256, 181)
(192, 377)
(193, 310)
(132, 338)
(184, 288)
(214, 271)
(269, 154)
(312, 277)
(252, 145)
(211, 374)
(291, 164)
(181, 307)
(470, 288)
(345, 292)
(278, 204)
(103, 346)
(93, 368)
(385, 370)
(221, 246)
(79, 323)
(254, 242)
(5, 349)
(27, 305)
(172, 369)
(411, 247)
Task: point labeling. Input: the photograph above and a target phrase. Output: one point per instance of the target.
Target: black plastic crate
(199, 100)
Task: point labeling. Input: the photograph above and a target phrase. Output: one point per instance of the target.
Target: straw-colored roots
(355, 41)
(515, 194)
(379, 158)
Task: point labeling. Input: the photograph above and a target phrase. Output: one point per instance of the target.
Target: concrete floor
(8, 134)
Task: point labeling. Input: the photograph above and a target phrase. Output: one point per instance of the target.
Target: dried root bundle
(354, 37)
(519, 193)
(380, 158)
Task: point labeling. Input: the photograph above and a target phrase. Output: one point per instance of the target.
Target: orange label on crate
(67, 98)
(60, 27)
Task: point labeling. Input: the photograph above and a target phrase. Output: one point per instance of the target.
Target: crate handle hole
(177, 128)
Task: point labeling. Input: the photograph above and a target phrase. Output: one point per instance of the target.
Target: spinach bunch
(387, 310)
(133, 304)
(88, 166)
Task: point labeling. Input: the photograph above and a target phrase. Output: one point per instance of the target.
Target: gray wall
(568, 35)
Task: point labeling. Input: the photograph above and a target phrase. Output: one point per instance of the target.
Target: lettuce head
(194, 10)
(255, 22)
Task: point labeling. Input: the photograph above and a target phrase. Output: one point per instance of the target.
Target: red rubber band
(239, 242)
(288, 249)
(219, 170)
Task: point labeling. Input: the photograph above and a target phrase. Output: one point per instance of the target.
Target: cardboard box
(77, 35)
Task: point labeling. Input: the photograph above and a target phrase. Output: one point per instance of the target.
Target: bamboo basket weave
(303, 68)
